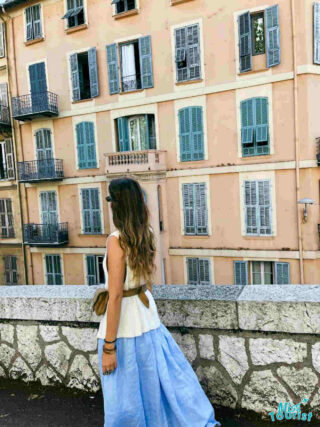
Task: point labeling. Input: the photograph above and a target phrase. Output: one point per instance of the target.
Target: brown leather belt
(140, 291)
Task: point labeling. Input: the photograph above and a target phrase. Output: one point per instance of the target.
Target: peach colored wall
(74, 276)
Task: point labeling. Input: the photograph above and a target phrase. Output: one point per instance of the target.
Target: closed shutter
(11, 271)
(2, 40)
(113, 69)
(264, 211)
(93, 72)
(38, 82)
(75, 80)
(247, 121)
(201, 213)
(240, 272)
(197, 132)
(192, 271)
(4, 94)
(53, 270)
(145, 55)
(91, 211)
(9, 158)
(123, 134)
(151, 132)
(188, 208)
(251, 212)
(185, 135)
(193, 52)
(204, 271)
(316, 33)
(6, 218)
(86, 146)
(37, 30)
(91, 270)
(282, 270)
(261, 122)
(273, 35)
(245, 43)
(49, 211)
(29, 23)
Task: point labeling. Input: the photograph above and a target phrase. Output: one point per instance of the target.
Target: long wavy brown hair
(131, 217)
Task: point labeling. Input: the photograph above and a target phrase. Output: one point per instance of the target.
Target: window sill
(188, 82)
(256, 237)
(30, 42)
(125, 14)
(261, 70)
(175, 2)
(77, 28)
(82, 100)
(131, 91)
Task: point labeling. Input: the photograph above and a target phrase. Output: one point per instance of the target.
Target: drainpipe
(296, 137)
(15, 139)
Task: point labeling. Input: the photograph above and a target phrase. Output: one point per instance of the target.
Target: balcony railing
(46, 234)
(136, 161)
(132, 82)
(26, 107)
(40, 170)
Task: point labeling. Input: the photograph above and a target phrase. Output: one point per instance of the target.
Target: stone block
(267, 350)
(206, 346)
(233, 357)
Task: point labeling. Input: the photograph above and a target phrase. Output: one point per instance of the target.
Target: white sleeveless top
(135, 317)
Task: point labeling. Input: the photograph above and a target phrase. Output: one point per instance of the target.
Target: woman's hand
(109, 362)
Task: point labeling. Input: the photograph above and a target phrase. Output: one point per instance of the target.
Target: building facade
(212, 106)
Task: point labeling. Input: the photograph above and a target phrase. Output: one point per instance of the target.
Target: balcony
(5, 122)
(27, 107)
(46, 234)
(40, 170)
(146, 161)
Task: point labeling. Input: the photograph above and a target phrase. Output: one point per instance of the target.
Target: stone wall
(251, 347)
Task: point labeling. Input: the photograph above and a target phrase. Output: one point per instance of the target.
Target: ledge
(75, 29)
(30, 42)
(175, 2)
(125, 14)
(188, 82)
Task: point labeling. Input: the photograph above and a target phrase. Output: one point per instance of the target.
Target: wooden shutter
(145, 56)
(2, 40)
(29, 23)
(113, 68)
(37, 30)
(201, 213)
(261, 122)
(53, 270)
(90, 145)
(75, 80)
(193, 52)
(196, 121)
(264, 211)
(11, 271)
(49, 211)
(81, 145)
(185, 135)
(151, 131)
(91, 210)
(282, 272)
(273, 35)
(4, 94)
(247, 121)
(316, 33)
(8, 146)
(251, 211)
(245, 42)
(181, 53)
(6, 218)
(93, 72)
(192, 271)
(188, 208)
(240, 272)
(204, 271)
(91, 270)
(123, 134)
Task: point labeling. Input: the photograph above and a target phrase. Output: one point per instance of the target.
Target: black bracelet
(110, 342)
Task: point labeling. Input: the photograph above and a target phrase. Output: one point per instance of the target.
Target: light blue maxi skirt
(153, 385)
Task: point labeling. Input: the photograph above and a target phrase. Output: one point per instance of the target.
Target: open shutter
(181, 53)
(81, 145)
(145, 55)
(282, 270)
(261, 107)
(29, 22)
(75, 81)
(247, 121)
(93, 72)
(273, 35)
(251, 212)
(185, 135)
(192, 271)
(204, 271)
(4, 95)
(90, 145)
(240, 272)
(316, 33)
(201, 208)
(264, 207)
(113, 69)
(123, 134)
(9, 158)
(91, 270)
(2, 43)
(188, 208)
(193, 52)
(95, 210)
(197, 133)
(37, 30)
(151, 131)
(245, 44)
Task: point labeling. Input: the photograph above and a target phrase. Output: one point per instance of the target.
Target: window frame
(126, 7)
(186, 54)
(61, 274)
(257, 207)
(96, 264)
(67, 26)
(83, 232)
(253, 16)
(74, 74)
(195, 209)
(198, 260)
(7, 259)
(41, 34)
(6, 215)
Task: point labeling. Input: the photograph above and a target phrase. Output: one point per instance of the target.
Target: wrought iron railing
(35, 103)
(46, 234)
(37, 170)
(5, 115)
(131, 82)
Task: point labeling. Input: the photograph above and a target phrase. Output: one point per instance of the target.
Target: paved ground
(36, 406)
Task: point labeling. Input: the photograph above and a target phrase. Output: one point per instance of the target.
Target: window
(6, 160)
(187, 51)
(75, 13)
(53, 270)
(195, 209)
(6, 219)
(198, 271)
(91, 215)
(33, 22)
(84, 75)
(254, 127)
(316, 33)
(258, 207)
(95, 273)
(10, 270)
(191, 134)
(49, 209)
(135, 65)
(124, 5)
(86, 146)
(262, 272)
(2, 43)
(252, 31)
(136, 132)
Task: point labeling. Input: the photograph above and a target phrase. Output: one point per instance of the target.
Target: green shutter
(75, 79)
(9, 158)
(188, 208)
(282, 271)
(261, 122)
(53, 270)
(240, 272)
(145, 56)
(201, 213)
(86, 146)
(123, 134)
(91, 213)
(196, 121)
(247, 121)
(91, 270)
(316, 33)
(204, 271)
(81, 148)
(192, 271)
(113, 69)
(185, 135)
(273, 35)
(151, 131)
(93, 72)
(245, 43)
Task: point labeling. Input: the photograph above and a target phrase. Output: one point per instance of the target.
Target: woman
(146, 379)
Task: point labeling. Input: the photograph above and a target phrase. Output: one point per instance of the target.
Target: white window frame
(45, 267)
(25, 23)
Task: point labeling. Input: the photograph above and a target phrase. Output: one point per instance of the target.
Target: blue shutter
(185, 135)
(151, 132)
(37, 30)
(245, 43)
(53, 270)
(197, 133)
(273, 35)
(91, 270)
(188, 208)
(38, 80)
(91, 213)
(201, 213)
(251, 211)
(113, 69)
(93, 72)
(145, 55)
(75, 80)
(264, 211)
(316, 33)
(29, 26)
(204, 271)
(193, 52)
(81, 148)
(123, 134)
(247, 121)
(240, 272)
(181, 53)
(86, 145)
(262, 121)
(192, 271)
(282, 272)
